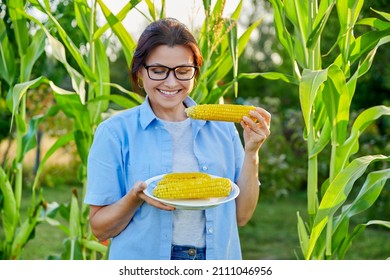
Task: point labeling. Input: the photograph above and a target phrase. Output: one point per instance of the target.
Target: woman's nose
(171, 79)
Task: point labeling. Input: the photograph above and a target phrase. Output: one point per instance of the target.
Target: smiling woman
(157, 138)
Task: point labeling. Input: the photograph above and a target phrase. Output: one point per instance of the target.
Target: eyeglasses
(160, 72)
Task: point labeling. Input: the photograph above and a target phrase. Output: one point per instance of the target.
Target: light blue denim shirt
(132, 146)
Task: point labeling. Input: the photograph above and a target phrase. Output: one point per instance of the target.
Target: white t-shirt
(188, 225)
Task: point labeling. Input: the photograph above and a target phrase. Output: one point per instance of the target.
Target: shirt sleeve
(106, 182)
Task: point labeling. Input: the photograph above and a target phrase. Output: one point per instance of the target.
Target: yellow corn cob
(192, 188)
(219, 112)
(185, 176)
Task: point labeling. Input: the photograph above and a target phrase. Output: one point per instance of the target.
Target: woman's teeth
(168, 92)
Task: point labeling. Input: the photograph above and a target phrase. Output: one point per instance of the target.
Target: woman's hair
(169, 32)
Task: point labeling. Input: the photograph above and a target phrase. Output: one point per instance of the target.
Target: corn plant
(84, 103)
(17, 59)
(326, 94)
(221, 48)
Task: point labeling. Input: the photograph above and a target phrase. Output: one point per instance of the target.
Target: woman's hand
(256, 132)
(138, 191)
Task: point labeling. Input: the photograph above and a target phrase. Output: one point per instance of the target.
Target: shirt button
(210, 230)
(204, 168)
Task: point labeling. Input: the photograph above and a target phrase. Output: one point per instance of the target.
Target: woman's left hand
(256, 132)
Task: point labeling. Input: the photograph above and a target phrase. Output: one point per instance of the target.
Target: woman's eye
(158, 70)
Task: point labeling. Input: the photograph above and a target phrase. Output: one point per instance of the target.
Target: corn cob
(219, 112)
(185, 176)
(192, 188)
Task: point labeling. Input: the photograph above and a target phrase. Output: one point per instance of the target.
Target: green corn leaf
(309, 86)
(19, 90)
(71, 106)
(369, 193)
(336, 194)
(73, 250)
(119, 17)
(357, 230)
(282, 33)
(19, 23)
(364, 65)
(222, 67)
(152, 9)
(366, 197)
(348, 12)
(364, 44)
(363, 120)
(163, 9)
(133, 95)
(374, 22)
(58, 51)
(216, 93)
(201, 92)
(83, 139)
(117, 99)
(25, 232)
(94, 245)
(270, 76)
(58, 48)
(9, 213)
(83, 15)
(7, 56)
(236, 14)
(383, 14)
(33, 52)
(78, 81)
(207, 5)
(322, 141)
(103, 77)
(322, 16)
(302, 234)
(128, 43)
(337, 101)
(297, 13)
(60, 142)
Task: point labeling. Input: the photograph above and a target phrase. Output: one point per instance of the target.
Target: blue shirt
(134, 145)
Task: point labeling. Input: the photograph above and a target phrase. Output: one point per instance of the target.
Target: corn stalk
(326, 94)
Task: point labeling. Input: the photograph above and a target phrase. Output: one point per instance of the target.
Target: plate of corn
(191, 190)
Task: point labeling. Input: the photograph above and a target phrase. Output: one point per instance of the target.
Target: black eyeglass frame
(171, 69)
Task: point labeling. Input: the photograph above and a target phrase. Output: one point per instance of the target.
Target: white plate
(190, 204)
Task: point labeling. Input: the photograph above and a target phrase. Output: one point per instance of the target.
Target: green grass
(271, 234)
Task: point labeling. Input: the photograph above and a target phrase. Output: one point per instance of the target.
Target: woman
(157, 138)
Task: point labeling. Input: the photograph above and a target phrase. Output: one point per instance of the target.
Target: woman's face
(166, 96)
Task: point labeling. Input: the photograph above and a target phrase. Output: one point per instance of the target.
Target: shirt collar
(147, 115)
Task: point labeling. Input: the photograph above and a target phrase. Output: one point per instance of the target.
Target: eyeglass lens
(162, 72)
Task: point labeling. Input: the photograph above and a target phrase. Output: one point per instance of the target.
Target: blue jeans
(187, 253)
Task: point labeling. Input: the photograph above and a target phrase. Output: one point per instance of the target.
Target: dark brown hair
(167, 31)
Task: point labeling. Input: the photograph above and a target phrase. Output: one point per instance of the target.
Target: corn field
(325, 93)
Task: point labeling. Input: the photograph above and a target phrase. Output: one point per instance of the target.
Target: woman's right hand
(138, 190)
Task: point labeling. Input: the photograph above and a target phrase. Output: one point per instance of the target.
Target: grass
(271, 234)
